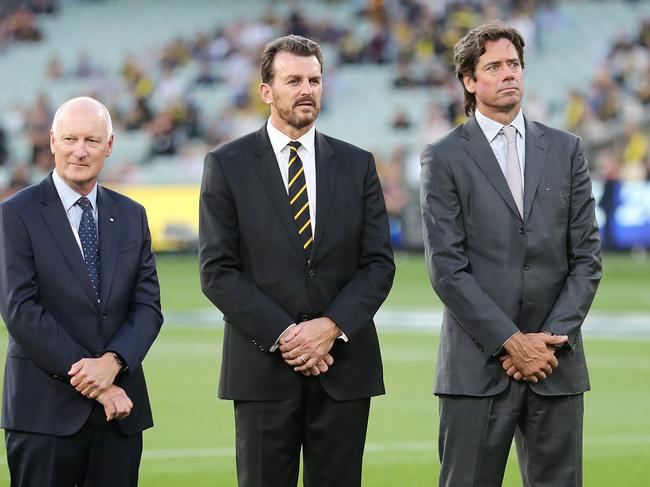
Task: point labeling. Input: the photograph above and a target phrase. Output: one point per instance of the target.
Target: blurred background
(181, 77)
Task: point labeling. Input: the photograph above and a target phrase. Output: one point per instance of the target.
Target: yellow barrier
(173, 213)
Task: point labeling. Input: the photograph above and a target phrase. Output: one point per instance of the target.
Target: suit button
(526, 267)
(522, 231)
(104, 317)
(311, 273)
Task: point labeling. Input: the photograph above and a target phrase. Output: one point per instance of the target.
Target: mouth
(510, 89)
(306, 103)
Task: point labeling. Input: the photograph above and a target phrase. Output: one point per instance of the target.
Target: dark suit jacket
(51, 310)
(497, 273)
(254, 269)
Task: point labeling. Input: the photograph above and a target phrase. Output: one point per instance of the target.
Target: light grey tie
(513, 170)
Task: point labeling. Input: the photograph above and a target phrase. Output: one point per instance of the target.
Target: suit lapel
(479, 149)
(57, 221)
(108, 241)
(536, 148)
(271, 179)
(326, 169)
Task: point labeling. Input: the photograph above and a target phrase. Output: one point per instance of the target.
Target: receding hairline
(86, 100)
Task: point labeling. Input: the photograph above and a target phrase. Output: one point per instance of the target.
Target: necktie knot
(293, 145)
(510, 132)
(85, 204)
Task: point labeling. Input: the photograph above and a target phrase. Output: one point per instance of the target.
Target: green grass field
(192, 443)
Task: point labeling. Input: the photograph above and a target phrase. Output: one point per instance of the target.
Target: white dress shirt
(498, 142)
(307, 154)
(69, 199)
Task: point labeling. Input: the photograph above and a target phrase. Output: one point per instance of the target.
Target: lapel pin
(111, 219)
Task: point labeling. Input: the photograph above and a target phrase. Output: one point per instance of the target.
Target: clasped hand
(117, 404)
(94, 377)
(306, 346)
(531, 356)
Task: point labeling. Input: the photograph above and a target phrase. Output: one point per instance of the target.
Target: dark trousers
(98, 455)
(476, 434)
(270, 435)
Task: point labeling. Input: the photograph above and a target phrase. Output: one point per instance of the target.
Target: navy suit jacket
(52, 314)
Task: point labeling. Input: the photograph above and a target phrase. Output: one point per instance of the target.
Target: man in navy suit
(80, 297)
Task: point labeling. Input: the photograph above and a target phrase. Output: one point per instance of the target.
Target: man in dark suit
(79, 295)
(513, 252)
(294, 250)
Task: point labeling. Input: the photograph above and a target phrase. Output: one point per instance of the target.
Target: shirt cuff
(503, 346)
(276, 344)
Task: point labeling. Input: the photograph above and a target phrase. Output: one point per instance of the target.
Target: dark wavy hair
(472, 46)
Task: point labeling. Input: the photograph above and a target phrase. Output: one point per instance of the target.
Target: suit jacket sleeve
(45, 341)
(137, 334)
(360, 298)
(583, 247)
(221, 268)
(449, 268)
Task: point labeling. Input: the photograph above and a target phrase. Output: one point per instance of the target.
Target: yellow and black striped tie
(299, 199)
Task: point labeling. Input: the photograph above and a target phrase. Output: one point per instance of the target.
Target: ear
(52, 141)
(109, 145)
(266, 93)
(469, 83)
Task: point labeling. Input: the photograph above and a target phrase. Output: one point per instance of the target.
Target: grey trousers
(476, 434)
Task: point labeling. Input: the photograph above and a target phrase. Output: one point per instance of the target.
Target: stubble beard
(294, 119)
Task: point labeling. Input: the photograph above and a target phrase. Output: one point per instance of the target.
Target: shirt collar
(69, 196)
(279, 140)
(491, 128)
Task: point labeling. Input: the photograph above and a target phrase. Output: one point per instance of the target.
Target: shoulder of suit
(553, 131)
(119, 198)
(450, 139)
(236, 147)
(340, 146)
(31, 194)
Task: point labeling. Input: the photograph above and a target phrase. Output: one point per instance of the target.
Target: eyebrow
(509, 60)
(76, 136)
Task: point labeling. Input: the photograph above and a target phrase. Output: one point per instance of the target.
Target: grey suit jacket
(497, 273)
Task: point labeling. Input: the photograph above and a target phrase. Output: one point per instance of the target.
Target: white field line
(422, 446)
(589, 441)
(610, 326)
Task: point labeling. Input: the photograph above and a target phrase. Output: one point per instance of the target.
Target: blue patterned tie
(89, 244)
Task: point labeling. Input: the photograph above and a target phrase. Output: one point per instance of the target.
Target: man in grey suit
(512, 249)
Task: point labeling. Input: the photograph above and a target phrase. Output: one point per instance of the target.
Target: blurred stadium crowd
(174, 101)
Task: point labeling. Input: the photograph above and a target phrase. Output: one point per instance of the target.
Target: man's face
(294, 93)
(498, 81)
(80, 144)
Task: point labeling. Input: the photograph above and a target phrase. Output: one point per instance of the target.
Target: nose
(305, 87)
(79, 150)
(510, 71)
